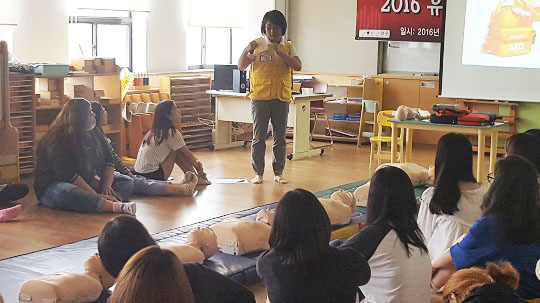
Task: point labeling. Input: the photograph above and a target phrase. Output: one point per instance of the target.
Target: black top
(368, 239)
(335, 278)
(494, 293)
(60, 164)
(209, 286)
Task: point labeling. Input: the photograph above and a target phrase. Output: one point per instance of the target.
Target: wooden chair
(372, 108)
(377, 152)
(317, 108)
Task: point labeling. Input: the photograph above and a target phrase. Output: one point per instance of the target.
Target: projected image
(502, 33)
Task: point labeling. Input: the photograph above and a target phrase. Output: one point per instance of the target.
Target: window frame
(204, 64)
(95, 21)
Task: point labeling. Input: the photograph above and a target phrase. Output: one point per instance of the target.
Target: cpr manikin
(408, 113)
(87, 286)
(419, 176)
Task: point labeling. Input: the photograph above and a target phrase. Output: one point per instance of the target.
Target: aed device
(510, 30)
(240, 81)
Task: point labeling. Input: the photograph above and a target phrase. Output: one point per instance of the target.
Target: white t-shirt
(396, 277)
(442, 231)
(151, 155)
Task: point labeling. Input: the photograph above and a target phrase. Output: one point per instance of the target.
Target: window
(207, 46)
(6, 34)
(102, 33)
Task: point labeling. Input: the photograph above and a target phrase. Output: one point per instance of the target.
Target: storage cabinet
(189, 94)
(346, 130)
(104, 88)
(22, 117)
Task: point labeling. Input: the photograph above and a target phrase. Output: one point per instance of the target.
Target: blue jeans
(145, 186)
(67, 196)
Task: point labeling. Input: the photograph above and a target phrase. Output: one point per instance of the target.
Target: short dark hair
(301, 229)
(275, 17)
(453, 163)
(525, 145)
(512, 198)
(391, 201)
(534, 131)
(120, 239)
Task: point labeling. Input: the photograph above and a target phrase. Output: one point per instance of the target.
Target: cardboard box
(109, 61)
(45, 84)
(48, 95)
(98, 93)
(83, 62)
(101, 69)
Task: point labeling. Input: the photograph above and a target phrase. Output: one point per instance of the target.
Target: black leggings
(12, 192)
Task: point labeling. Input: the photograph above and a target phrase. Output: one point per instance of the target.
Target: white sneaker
(280, 180)
(257, 180)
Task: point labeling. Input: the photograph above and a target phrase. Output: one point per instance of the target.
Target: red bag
(474, 119)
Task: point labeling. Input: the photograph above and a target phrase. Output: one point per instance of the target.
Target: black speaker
(223, 76)
(240, 81)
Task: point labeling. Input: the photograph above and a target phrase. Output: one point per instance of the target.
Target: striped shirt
(151, 155)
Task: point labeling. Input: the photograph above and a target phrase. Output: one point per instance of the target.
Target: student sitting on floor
(301, 266)
(392, 242)
(452, 205)
(8, 194)
(142, 185)
(153, 275)
(493, 284)
(124, 236)
(164, 146)
(75, 170)
(509, 229)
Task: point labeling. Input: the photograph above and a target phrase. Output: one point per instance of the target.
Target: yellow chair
(377, 152)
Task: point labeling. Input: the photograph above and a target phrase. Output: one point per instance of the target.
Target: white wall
(41, 34)
(166, 36)
(323, 34)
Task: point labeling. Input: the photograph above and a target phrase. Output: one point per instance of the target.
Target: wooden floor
(40, 227)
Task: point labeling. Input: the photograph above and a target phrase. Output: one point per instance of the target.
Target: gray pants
(263, 111)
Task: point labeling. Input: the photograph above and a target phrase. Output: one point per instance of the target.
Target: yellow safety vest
(270, 77)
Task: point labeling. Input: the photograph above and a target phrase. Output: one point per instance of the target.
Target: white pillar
(166, 31)
(41, 34)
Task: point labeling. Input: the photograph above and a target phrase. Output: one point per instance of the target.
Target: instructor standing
(272, 61)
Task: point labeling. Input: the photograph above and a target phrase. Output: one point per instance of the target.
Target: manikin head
(203, 239)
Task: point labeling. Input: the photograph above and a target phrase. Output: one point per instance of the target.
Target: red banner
(399, 20)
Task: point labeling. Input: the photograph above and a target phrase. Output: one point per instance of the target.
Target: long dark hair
(525, 145)
(68, 131)
(162, 123)
(391, 201)
(97, 109)
(301, 229)
(453, 163)
(120, 239)
(512, 198)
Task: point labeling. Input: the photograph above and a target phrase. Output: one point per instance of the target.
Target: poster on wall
(399, 20)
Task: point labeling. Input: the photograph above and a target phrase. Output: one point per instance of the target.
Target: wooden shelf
(22, 116)
(107, 82)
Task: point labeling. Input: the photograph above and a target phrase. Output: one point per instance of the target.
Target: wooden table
(235, 107)
(481, 131)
